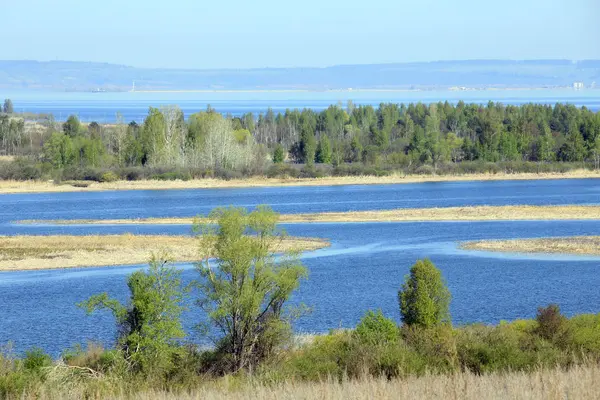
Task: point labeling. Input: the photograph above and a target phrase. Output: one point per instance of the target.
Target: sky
(317, 33)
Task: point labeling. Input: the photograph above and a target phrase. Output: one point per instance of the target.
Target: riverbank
(61, 251)
(578, 382)
(209, 183)
(583, 245)
(474, 213)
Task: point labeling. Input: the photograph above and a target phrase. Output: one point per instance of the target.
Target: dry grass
(49, 252)
(589, 245)
(38, 186)
(476, 213)
(580, 383)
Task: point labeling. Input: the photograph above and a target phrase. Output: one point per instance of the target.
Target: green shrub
(553, 326)
(374, 328)
(109, 177)
(36, 359)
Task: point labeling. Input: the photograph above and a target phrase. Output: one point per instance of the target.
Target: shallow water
(362, 270)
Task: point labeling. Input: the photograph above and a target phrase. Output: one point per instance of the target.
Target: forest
(346, 139)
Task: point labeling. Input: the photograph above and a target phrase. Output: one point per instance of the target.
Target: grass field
(580, 383)
(38, 186)
(476, 213)
(588, 245)
(49, 252)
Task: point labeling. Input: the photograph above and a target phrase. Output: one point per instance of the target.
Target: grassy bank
(581, 382)
(588, 245)
(8, 186)
(475, 213)
(62, 251)
(550, 357)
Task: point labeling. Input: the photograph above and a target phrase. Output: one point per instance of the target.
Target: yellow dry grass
(579, 382)
(38, 186)
(61, 251)
(589, 245)
(476, 213)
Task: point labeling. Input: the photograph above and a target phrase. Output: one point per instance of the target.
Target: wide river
(133, 106)
(362, 270)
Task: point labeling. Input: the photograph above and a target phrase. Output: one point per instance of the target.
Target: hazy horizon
(269, 34)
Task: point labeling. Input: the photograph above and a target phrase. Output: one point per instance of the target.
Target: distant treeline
(413, 138)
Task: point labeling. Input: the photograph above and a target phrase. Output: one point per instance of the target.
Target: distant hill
(83, 76)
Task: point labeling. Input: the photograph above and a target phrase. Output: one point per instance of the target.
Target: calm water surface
(133, 106)
(362, 270)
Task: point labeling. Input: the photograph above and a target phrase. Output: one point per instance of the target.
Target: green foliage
(278, 155)
(35, 360)
(245, 290)
(72, 126)
(553, 326)
(109, 177)
(374, 328)
(58, 150)
(150, 324)
(424, 298)
(323, 153)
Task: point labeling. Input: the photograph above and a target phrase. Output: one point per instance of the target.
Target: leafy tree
(424, 298)
(278, 155)
(58, 150)
(245, 290)
(323, 154)
(94, 129)
(8, 108)
(149, 325)
(357, 149)
(72, 126)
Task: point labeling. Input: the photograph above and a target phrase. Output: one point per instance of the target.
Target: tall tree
(149, 324)
(424, 299)
(245, 289)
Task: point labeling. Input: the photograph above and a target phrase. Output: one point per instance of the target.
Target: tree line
(400, 136)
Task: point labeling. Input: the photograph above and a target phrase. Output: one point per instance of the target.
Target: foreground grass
(589, 245)
(48, 186)
(579, 382)
(63, 251)
(476, 213)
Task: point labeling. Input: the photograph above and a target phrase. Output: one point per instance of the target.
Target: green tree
(8, 108)
(150, 324)
(58, 150)
(424, 299)
(72, 126)
(245, 290)
(323, 154)
(278, 155)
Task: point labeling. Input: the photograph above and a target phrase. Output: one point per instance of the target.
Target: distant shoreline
(8, 187)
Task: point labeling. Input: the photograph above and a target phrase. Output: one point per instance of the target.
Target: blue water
(363, 268)
(133, 106)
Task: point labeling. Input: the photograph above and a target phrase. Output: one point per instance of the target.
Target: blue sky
(269, 33)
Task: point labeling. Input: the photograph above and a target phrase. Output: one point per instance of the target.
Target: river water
(363, 268)
(133, 106)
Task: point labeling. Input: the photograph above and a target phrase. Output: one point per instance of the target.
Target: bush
(109, 177)
(553, 326)
(36, 359)
(374, 328)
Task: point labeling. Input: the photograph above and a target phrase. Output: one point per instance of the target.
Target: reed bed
(475, 213)
(585, 245)
(63, 251)
(209, 183)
